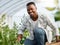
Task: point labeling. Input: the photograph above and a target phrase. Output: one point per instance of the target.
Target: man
(36, 24)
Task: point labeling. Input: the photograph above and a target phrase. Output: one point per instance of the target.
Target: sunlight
(47, 3)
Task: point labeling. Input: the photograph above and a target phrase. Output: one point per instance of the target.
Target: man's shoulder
(41, 15)
(25, 17)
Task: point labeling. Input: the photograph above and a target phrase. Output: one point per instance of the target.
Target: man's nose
(30, 10)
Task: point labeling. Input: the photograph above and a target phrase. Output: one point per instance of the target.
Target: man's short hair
(30, 3)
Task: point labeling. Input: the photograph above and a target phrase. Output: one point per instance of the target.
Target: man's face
(31, 9)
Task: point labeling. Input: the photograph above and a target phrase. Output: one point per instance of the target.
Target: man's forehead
(31, 6)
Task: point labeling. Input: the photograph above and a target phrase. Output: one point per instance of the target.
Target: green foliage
(57, 16)
(9, 36)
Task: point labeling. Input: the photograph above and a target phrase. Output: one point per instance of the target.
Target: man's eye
(28, 10)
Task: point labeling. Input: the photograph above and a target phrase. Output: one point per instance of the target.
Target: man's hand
(57, 39)
(19, 37)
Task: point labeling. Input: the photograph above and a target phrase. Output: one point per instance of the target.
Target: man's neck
(34, 18)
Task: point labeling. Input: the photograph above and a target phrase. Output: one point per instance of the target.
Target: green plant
(57, 16)
(9, 36)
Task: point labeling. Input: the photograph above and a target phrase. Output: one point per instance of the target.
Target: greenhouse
(11, 11)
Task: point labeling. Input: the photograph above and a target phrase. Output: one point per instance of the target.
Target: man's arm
(53, 26)
(21, 28)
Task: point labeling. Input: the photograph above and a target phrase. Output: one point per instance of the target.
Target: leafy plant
(57, 16)
(9, 36)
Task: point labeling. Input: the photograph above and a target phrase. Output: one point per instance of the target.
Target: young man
(36, 24)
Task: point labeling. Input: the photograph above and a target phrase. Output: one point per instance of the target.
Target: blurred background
(11, 11)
